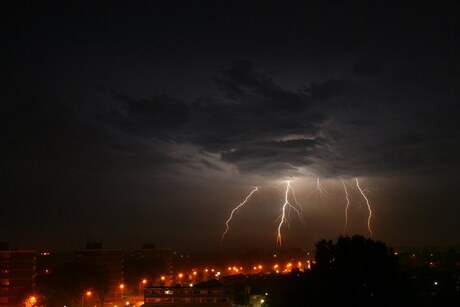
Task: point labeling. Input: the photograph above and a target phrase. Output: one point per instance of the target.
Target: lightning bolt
(287, 204)
(346, 208)
(234, 210)
(322, 191)
(368, 207)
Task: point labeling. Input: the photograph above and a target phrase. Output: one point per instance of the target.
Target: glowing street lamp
(30, 301)
(122, 286)
(142, 285)
(86, 294)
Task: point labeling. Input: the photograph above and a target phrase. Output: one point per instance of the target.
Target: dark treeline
(355, 271)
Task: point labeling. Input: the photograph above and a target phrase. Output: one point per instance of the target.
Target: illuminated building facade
(17, 272)
(210, 293)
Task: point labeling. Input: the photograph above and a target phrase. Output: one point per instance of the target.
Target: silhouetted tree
(353, 272)
(358, 270)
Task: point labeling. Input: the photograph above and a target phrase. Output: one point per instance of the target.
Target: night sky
(150, 121)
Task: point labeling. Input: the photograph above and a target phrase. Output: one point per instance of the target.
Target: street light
(86, 294)
(122, 286)
(142, 285)
(30, 301)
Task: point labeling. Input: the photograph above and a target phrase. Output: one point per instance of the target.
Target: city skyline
(151, 122)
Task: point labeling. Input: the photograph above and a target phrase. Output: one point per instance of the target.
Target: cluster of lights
(193, 274)
(276, 267)
(234, 269)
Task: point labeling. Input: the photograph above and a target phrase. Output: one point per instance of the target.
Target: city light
(88, 293)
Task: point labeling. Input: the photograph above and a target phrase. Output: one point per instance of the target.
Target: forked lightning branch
(289, 202)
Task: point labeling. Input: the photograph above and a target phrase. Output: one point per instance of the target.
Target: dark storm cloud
(297, 144)
(242, 84)
(332, 128)
(397, 71)
(396, 129)
(326, 90)
(255, 124)
(369, 67)
(211, 165)
(42, 133)
(150, 117)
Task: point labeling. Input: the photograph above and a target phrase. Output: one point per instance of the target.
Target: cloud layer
(258, 127)
(255, 125)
